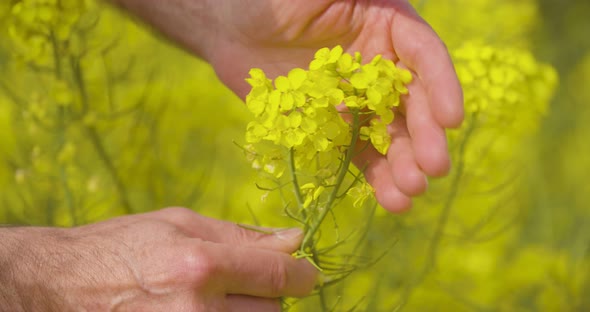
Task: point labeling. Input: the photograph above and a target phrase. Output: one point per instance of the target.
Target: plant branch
(104, 157)
(341, 175)
(443, 218)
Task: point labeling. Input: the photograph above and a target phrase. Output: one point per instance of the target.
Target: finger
(378, 174)
(219, 231)
(247, 271)
(406, 174)
(282, 240)
(238, 303)
(419, 47)
(429, 142)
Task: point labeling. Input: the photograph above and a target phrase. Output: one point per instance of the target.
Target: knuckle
(197, 267)
(278, 278)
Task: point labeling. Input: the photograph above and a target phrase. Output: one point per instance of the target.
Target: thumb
(283, 240)
(224, 232)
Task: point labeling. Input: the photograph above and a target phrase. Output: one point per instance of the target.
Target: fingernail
(289, 234)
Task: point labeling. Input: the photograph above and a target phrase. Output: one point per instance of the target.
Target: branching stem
(307, 240)
(444, 216)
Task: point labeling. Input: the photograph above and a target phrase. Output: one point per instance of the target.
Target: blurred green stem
(443, 218)
(104, 157)
(95, 138)
(63, 176)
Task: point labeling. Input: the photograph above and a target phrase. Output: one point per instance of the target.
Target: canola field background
(107, 119)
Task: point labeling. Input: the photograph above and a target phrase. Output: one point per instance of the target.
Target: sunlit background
(101, 118)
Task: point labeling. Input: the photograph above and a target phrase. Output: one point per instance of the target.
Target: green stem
(322, 297)
(80, 82)
(68, 195)
(293, 171)
(56, 58)
(341, 175)
(104, 157)
(63, 176)
(321, 290)
(444, 216)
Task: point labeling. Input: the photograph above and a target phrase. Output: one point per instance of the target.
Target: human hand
(276, 36)
(169, 260)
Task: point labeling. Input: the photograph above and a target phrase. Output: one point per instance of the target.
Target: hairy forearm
(45, 269)
(10, 298)
(21, 266)
(58, 269)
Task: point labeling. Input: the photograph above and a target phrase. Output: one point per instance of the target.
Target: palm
(285, 34)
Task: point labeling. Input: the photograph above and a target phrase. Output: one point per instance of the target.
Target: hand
(169, 260)
(277, 35)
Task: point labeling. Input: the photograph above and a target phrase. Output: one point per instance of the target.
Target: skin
(169, 260)
(177, 260)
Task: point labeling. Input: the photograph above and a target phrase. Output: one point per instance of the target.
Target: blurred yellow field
(108, 119)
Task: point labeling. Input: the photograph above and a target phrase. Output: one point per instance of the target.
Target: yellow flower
(378, 135)
(325, 56)
(360, 193)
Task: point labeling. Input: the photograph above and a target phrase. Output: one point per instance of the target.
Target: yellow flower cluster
(514, 21)
(307, 125)
(507, 92)
(500, 82)
(302, 110)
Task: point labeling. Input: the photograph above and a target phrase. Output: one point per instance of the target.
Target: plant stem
(443, 218)
(62, 134)
(341, 175)
(104, 157)
(293, 171)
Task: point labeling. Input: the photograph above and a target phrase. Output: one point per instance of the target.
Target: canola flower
(503, 83)
(504, 88)
(301, 109)
(309, 125)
